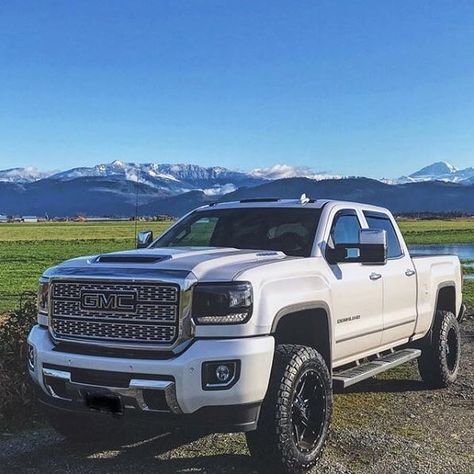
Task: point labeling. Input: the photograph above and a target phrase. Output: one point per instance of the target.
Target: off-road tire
(440, 356)
(273, 444)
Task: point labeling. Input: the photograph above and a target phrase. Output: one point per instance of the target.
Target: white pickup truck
(242, 316)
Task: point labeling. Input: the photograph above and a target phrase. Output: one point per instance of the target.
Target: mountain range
(22, 175)
(115, 188)
(186, 177)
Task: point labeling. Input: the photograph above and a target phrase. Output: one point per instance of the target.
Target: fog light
(31, 357)
(223, 373)
(220, 375)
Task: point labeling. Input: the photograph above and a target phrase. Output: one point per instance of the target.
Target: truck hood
(205, 263)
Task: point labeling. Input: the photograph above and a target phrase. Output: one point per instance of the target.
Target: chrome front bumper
(132, 396)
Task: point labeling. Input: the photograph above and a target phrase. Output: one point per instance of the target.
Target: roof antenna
(136, 207)
(304, 199)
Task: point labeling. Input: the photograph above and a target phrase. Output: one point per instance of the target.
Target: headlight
(222, 303)
(43, 302)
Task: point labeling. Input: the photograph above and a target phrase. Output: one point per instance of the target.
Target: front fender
(277, 287)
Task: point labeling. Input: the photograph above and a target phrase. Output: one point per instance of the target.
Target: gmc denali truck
(242, 316)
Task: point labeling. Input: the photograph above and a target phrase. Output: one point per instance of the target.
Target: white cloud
(280, 171)
(219, 190)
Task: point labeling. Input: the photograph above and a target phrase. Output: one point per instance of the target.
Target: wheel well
(308, 327)
(447, 299)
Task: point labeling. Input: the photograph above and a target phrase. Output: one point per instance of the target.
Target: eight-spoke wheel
(308, 410)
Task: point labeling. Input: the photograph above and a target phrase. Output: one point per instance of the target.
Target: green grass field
(27, 249)
(468, 293)
(449, 231)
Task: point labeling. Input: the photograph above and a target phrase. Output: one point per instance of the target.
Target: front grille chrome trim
(112, 331)
(165, 330)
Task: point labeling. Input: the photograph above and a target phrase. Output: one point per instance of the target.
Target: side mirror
(371, 249)
(373, 246)
(343, 253)
(144, 239)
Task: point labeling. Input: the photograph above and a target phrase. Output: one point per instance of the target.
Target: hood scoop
(127, 258)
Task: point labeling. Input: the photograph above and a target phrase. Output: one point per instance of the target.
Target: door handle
(375, 276)
(409, 272)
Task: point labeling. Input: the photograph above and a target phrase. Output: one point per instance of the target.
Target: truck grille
(115, 311)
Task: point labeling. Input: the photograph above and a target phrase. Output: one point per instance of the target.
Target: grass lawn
(449, 231)
(468, 293)
(26, 250)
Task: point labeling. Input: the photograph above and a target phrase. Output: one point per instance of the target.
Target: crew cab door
(399, 282)
(356, 293)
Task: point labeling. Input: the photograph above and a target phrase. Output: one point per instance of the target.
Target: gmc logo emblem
(108, 301)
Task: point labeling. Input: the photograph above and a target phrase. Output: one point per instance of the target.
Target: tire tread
(432, 363)
(270, 445)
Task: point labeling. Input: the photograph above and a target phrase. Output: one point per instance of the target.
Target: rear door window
(379, 220)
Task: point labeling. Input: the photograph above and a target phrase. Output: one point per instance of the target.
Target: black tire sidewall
(312, 456)
(433, 363)
(448, 324)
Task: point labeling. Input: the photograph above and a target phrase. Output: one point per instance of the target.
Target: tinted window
(382, 221)
(287, 229)
(198, 234)
(345, 229)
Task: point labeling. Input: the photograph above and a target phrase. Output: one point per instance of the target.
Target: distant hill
(434, 196)
(22, 175)
(88, 196)
(97, 196)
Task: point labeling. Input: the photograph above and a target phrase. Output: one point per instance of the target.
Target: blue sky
(378, 88)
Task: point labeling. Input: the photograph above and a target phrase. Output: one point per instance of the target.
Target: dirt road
(391, 424)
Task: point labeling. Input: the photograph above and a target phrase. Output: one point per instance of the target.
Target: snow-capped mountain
(118, 170)
(22, 175)
(176, 178)
(440, 171)
(440, 168)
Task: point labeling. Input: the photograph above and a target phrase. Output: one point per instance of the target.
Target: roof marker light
(304, 199)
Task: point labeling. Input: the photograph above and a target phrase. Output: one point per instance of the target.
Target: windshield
(289, 230)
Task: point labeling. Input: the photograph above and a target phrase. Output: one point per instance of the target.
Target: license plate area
(104, 402)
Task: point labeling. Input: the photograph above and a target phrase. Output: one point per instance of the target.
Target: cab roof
(303, 202)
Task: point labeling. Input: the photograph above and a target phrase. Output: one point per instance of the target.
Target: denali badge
(108, 301)
(348, 319)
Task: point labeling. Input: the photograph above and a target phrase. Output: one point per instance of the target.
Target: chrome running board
(366, 370)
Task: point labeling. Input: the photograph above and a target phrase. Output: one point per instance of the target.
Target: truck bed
(433, 272)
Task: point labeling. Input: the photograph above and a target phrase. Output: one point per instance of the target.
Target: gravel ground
(390, 424)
